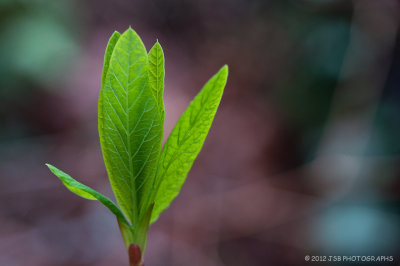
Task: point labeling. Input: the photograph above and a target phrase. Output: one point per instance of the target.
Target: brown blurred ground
(303, 157)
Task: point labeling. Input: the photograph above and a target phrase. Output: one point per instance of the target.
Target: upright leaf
(107, 56)
(87, 193)
(186, 141)
(130, 127)
(156, 72)
(156, 75)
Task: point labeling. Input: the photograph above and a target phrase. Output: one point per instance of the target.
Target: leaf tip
(129, 30)
(225, 69)
(157, 45)
(223, 72)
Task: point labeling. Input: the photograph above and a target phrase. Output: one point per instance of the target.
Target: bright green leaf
(87, 192)
(186, 141)
(107, 56)
(156, 75)
(129, 126)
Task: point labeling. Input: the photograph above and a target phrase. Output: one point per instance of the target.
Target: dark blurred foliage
(38, 44)
(303, 158)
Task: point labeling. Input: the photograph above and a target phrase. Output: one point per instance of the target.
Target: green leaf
(156, 75)
(186, 141)
(87, 192)
(107, 56)
(129, 126)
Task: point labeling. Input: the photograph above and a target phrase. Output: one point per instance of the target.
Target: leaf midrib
(157, 77)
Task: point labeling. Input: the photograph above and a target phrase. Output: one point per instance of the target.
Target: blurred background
(303, 157)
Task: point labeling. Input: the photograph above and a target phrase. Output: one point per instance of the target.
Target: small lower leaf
(87, 192)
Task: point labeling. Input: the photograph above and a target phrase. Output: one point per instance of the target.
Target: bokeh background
(303, 157)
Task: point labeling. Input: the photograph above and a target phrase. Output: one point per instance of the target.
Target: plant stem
(135, 255)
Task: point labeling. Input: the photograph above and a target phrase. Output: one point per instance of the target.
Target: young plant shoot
(144, 177)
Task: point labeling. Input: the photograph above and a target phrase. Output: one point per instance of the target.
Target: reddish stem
(135, 255)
